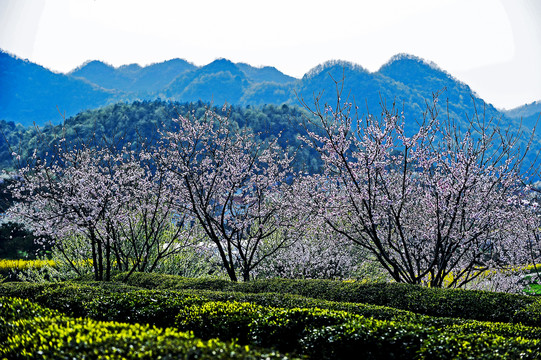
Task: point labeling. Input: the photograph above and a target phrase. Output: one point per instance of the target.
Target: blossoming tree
(102, 204)
(438, 207)
(234, 186)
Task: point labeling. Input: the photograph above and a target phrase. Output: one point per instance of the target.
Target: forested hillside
(140, 120)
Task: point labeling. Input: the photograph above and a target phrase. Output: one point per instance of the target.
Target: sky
(492, 45)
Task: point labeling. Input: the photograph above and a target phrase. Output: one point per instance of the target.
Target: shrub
(106, 301)
(110, 301)
(500, 329)
(225, 320)
(284, 328)
(289, 301)
(15, 309)
(143, 306)
(319, 333)
(64, 338)
(479, 346)
(367, 339)
(40, 332)
(288, 323)
(73, 299)
(529, 314)
(163, 281)
(12, 309)
(26, 290)
(69, 298)
(101, 301)
(467, 304)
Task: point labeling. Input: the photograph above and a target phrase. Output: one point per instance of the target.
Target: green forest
(133, 122)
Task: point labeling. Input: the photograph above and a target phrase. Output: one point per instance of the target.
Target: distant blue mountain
(424, 79)
(133, 78)
(406, 81)
(528, 114)
(533, 108)
(265, 74)
(220, 81)
(30, 93)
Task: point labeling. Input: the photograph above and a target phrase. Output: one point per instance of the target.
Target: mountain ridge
(32, 93)
(405, 80)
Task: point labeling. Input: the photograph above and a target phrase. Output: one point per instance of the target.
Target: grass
(534, 289)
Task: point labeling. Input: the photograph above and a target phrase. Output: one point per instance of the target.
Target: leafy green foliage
(141, 120)
(367, 338)
(303, 330)
(285, 328)
(14, 309)
(225, 320)
(115, 301)
(467, 304)
(38, 331)
(329, 334)
(165, 281)
(25, 290)
(285, 322)
(70, 298)
(143, 306)
(529, 314)
(479, 346)
(16, 242)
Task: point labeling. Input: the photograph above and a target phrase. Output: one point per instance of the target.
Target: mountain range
(33, 94)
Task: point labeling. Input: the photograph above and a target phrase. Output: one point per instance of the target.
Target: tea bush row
(28, 331)
(106, 301)
(298, 330)
(467, 304)
(286, 322)
(329, 334)
(119, 302)
(318, 332)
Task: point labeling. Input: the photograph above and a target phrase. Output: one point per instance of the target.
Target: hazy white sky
(492, 45)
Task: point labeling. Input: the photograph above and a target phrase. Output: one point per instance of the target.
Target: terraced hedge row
(290, 323)
(328, 334)
(29, 331)
(112, 301)
(467, 304)
(100, 299)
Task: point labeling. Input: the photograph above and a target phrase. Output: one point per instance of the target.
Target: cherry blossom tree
(147, 227)
(102, 204)
(438, 207)
(233, 185)
(319, 254)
